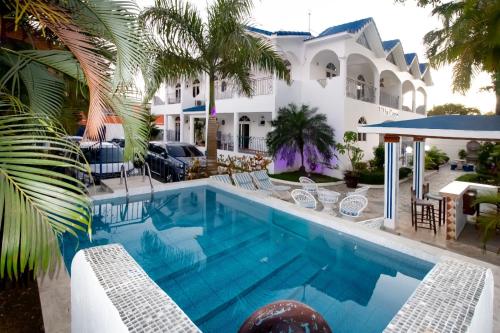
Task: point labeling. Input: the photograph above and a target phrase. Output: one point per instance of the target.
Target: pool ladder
(146, 171)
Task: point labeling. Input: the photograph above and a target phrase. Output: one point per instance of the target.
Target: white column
(418, 166)
(236, 129)
(165, 127)
(181, 120)
(191, 129)
(376, 84)
(343, 74)
(391, 181)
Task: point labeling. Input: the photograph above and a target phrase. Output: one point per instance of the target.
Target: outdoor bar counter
(453, 192)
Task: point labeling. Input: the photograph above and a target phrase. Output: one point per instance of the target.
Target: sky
(405, 22)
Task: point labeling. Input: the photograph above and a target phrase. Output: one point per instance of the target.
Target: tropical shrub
(300, 130)
(435, 158)
(376, 176)
(462, 154)
(349, 148)
(489, 220)
(378, 160)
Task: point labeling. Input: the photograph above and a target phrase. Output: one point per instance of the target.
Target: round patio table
(328, 199)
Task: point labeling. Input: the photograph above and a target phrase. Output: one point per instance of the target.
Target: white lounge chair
(309, 185)
(304, 199)
(244, 180)
(263, 182)
(222, 178)
(359, 191)
(328, 199)
(353, 205)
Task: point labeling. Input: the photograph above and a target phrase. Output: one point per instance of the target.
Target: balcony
(173, 99)
(389, 100)
(360, 90)
(260, 87)
(252, 145)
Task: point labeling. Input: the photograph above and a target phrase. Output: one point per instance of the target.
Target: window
(223, 86)
(244, 118)
(362, 136)
(196, 88)
(178, 92)
(331, 70)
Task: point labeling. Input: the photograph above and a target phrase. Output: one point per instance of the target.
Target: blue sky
(406, 22)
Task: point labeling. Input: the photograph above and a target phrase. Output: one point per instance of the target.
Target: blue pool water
(221, 257)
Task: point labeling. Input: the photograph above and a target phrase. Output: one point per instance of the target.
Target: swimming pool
(221, 257)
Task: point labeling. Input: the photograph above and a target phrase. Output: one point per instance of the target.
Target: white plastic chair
(328, 199)
(222, 178)
(304, 199)
(309, 185)
(353, 205)
(359, 191)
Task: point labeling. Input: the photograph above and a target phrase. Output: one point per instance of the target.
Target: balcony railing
(262, 86)
(228, 92)
(360, 90)
(173, 99)
(389, 100)
(252, 145)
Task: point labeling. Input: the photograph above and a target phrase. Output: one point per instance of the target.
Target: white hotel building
(347, 72)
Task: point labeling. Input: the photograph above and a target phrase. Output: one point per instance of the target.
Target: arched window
(360, 87)
(244, 119)
(196, 88)
(223, 86)
(178, 92)
(331, 70)
(362, 136)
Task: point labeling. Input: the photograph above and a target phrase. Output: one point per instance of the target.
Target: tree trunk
(496, 86)
(212, 131)
(302, 167)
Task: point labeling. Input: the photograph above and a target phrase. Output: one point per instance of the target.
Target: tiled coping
(455, 294)
(108, 273)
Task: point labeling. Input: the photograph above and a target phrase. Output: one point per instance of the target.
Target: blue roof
(259, 31)
(409, 57)
(278, 33)
(459, 123)
(195, 108)
(350, 27)
(390, 44)
(292, 33)
(422, 67)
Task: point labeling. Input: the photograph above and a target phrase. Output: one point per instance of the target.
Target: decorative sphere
(285, 316)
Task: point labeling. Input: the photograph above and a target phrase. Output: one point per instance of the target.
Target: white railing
(389, 100)
(360, 90)
(173, 99)
(228, 92)
(262, 86)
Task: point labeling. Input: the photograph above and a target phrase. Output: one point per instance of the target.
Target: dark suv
(169, 161)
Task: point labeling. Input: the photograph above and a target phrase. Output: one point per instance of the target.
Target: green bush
(434, 158)
(378, 158)
(376, 177)
(462, 154)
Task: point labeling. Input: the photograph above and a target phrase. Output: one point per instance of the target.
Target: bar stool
(441, 203)
(427, 213)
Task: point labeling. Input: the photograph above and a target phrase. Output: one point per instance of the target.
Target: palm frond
(38, 199)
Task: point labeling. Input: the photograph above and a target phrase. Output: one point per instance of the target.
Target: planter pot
(351, 181)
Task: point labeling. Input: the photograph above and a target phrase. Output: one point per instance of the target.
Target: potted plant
(462, 154)
(354, 154)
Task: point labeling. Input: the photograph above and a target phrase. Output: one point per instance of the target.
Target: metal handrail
(123, 175)
(145, 168)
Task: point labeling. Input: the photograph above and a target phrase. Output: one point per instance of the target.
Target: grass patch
(477, 178)
(293, 176)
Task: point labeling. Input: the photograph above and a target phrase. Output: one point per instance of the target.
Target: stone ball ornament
(285, 316)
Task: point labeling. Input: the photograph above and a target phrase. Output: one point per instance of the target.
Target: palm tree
(47, 47)
(469, 38)
(184, 46)
(298, 130)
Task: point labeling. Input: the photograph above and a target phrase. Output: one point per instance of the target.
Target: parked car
(169, 161)
(105, 159)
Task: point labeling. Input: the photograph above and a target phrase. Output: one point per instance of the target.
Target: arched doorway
(196, 87)
(244, 132)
